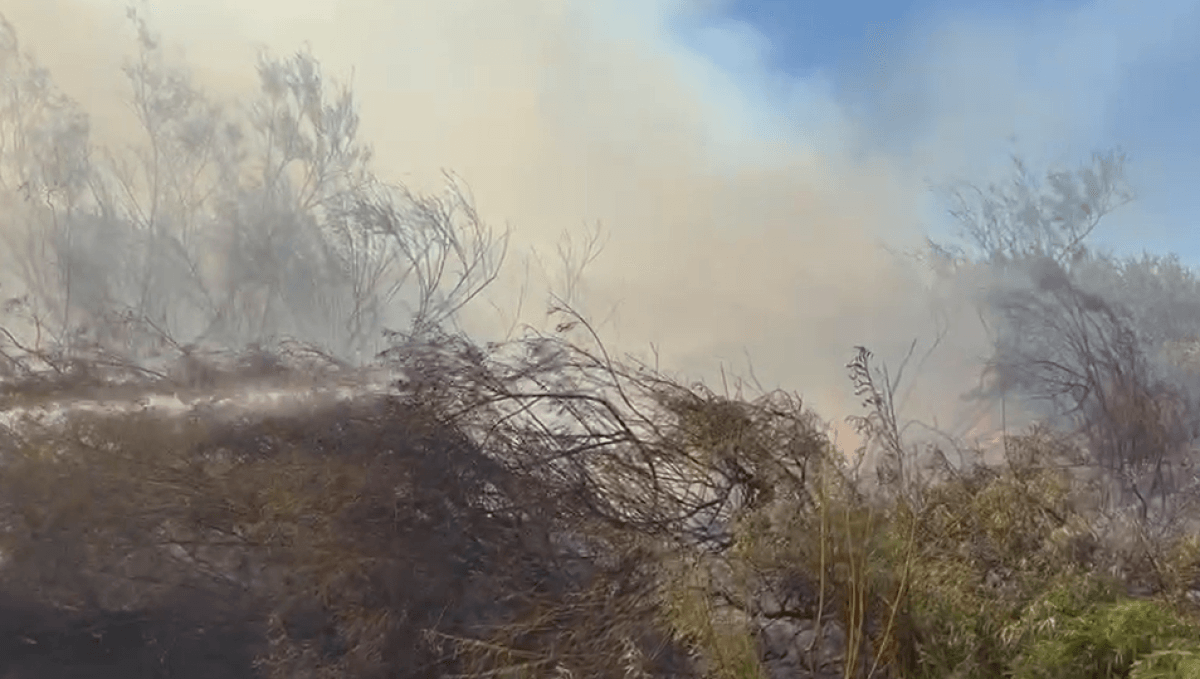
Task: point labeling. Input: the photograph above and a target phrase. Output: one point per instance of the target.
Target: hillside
(243, 434)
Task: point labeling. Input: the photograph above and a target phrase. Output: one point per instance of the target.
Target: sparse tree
(1026, 220)
(224, 225)
(1080, 332)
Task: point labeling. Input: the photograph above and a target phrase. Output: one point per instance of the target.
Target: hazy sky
(748, 160)
(961, 79)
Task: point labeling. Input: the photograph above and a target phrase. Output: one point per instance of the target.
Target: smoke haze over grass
(746, 210)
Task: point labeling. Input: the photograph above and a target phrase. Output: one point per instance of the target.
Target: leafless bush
(225, 226)
(1079, 334)
(489, 514)
(1027, 221)
(1074, 350)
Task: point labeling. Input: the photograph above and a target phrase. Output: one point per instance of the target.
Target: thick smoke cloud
(745, 212)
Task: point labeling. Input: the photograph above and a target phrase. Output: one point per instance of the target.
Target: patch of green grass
(1075, 639)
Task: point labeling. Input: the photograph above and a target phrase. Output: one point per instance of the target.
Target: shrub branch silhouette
(227, 226)
(1071, 348)
(1081, 336)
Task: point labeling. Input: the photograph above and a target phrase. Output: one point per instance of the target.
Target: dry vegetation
(535, 508)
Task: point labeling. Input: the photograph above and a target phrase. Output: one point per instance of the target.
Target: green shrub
(1106, 640)
(1169, 663)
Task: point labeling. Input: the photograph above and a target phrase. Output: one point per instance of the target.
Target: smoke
(747, 213)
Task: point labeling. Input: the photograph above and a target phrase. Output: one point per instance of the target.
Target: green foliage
(1169, 663)
(727, 642)
(1077, 638)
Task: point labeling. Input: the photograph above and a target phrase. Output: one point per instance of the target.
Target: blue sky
(1061, 78)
